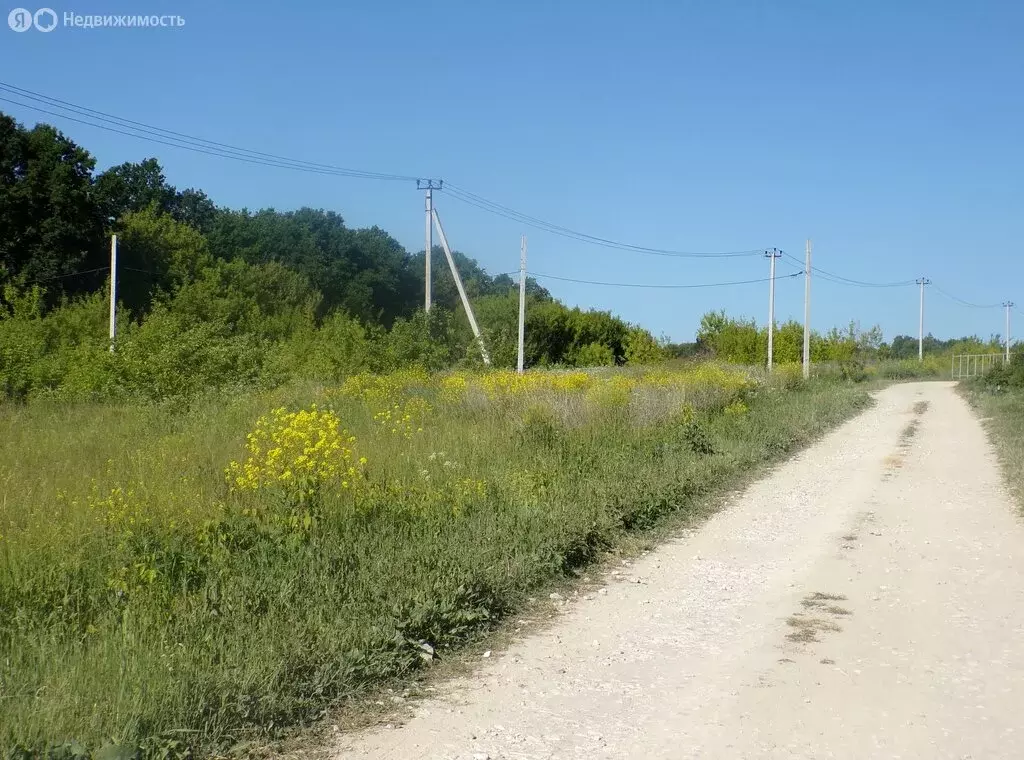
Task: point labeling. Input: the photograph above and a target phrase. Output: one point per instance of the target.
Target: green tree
(157, 255)
(642, 348)
(364, 272)
(341, 346)
(50, 224)
(134, 187)
(429, 341)
(788, 343)
(498, 317)
(593, 355)
(269, 301)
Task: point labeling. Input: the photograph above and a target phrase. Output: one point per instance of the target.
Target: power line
(841, 280)
(194, 149)
(507, 212)
(89, 271)
(140, 130)
(838, 280)
(659, 285)
(70, 274)
(903, 283)
(150, 133)
(962, 302)
(172, 138)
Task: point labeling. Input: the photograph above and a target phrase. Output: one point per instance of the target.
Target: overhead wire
(69, 274)
(473, 199)
(660, 285)
(159, 135)
(840, 279)
(175, 139)
(120, 268)
(962, 302)
(172, 138)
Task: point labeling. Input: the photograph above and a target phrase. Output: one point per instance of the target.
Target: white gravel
(920, 540)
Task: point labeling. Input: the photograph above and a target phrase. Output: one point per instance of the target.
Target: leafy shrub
(340, 347)
(853, 370)
(1007, 375)
(166, 357)
(642, 348)
(593, 355)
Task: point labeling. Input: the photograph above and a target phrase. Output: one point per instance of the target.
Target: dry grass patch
(806, 629)
(908, 433)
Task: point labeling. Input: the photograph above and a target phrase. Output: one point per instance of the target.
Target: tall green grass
(146, 604)
(999, 396)
(1004, 413)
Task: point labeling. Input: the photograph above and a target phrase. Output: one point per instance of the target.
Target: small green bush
(1006, 375)
(593, 355)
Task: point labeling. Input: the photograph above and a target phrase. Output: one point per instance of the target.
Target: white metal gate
(973, 365)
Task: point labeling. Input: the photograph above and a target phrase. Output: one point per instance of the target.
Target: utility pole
(1008, 305)
(807, 310)
(429, 185)
(772, 255)
(113, 290)
(522, 305)
(922, 281)
(462, 290)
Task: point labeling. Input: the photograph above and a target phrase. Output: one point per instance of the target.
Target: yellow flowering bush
(118, 511)
(122, 515)
(404, 419)
(383, 389)
(298, 451)
(453, 388)
(504, 383)
(612, 393)
(570, 381)
(507, 383)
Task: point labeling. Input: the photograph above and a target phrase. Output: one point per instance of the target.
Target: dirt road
(864, 601)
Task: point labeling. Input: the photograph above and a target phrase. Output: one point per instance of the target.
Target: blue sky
(889, 133)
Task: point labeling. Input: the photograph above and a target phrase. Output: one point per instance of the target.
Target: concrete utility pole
(522, 305)
(1008, 305)
(429, 185)
(113, 290)
(807, 310)
(922, 281)
(462, 290)
(772, 255)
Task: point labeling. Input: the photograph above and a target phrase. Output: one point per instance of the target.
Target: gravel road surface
(865, 600)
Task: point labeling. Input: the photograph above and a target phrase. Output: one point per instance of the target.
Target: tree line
(743, 341)
(213, 296)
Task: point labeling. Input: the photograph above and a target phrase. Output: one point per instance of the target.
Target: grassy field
(188, 578)
(999, 398)
(1004, 419)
